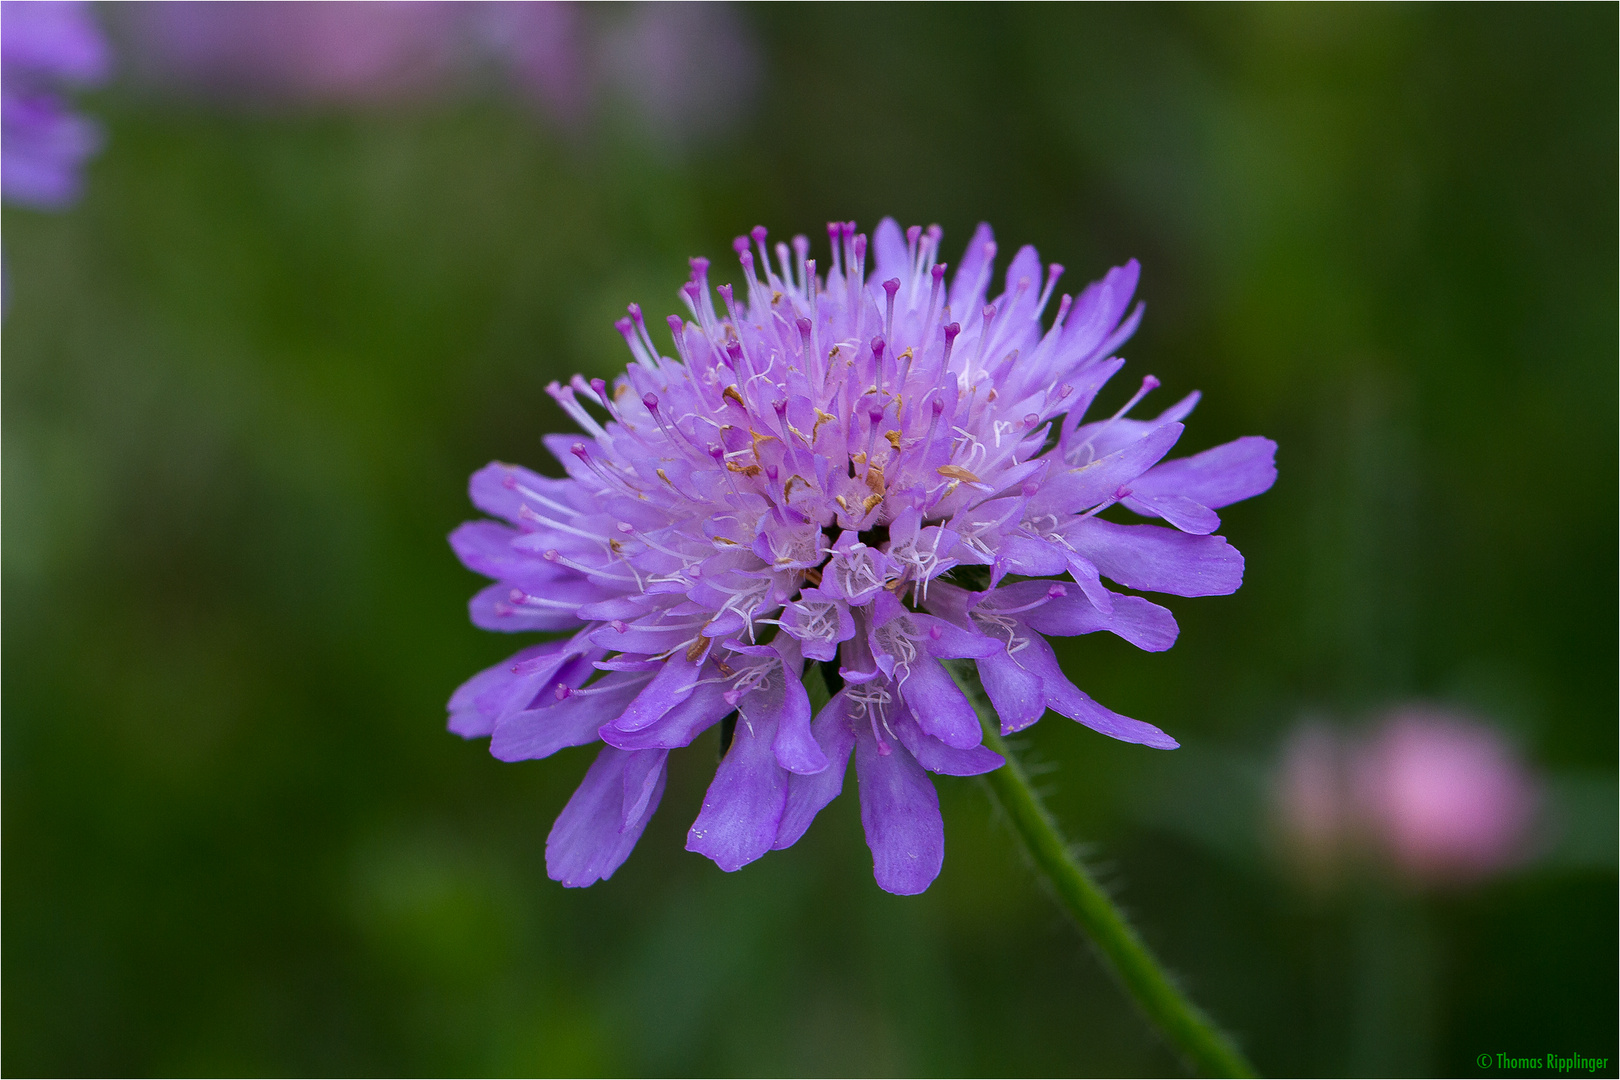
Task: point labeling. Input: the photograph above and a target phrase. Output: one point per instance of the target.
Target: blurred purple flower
(328, 52)
(544, 45)
(843, 465)
(686, 71)
(45, 47)
(689, 70)
(1442, 796)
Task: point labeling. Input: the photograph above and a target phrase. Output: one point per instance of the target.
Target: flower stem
(1191, 1033)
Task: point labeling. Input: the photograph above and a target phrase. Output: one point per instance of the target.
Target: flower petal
(1014, 691)
(1156, 559)
(1068, 699)
(1219, 476)
(941, 708)
(1139, 621)
(482, 699)
(643, 775)
(889, 256)
(900, 812)
(743, 806)
(672, 685)
(485, 547)
(944, 640)
(973, 273)
(1087, 576)
(507, 609)
(591, 839)
(807, 794)
(785, 700)
(936, 757)
(1080, 488)
(678, 727)
(1178, 510)
(1019, 554)
(573, 721)
(502, 490)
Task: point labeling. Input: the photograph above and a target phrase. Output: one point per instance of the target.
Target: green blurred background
(246, 378)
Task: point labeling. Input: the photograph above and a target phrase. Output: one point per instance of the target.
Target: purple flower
(861, 470)
(44, 48)
(685, 72)
(330, 52)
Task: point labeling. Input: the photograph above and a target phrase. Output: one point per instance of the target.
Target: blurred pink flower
(326, 52)
(1440, 795)
(1445, 795)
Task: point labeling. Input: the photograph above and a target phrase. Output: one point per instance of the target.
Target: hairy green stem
(1191, 1033)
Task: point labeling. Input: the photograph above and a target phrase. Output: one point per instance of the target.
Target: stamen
(806, 265)
(641, 328)
(1149, 384)
(1056, 590)
(938, 274)
(984, 334)
(858, 248)
(1053, 272)
(788, 280)
(951, 330)
(1120, 493)
(808, 357)
(933, 426)
(875, 415)
(553, 555)
(523, 599)
(526, 514)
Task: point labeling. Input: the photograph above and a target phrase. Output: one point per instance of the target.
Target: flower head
(861, 465)
(45, 47)
(1440, 795)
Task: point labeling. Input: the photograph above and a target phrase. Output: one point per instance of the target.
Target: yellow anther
(821, 418)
